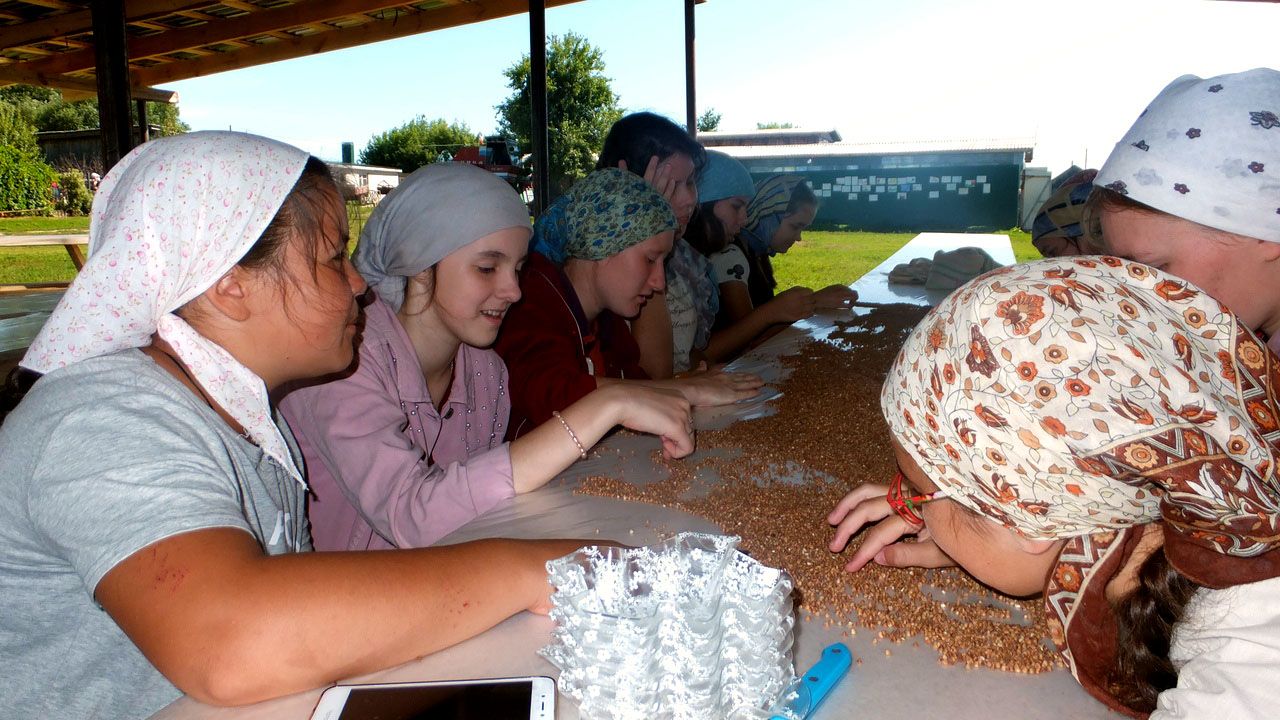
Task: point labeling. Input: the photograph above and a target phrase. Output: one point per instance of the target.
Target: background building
(944, 185)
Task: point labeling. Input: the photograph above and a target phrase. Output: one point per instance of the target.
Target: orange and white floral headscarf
(1078, 398)
(169, 219)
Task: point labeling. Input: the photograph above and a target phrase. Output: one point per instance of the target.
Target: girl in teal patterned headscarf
(598, 260)
(603, 214)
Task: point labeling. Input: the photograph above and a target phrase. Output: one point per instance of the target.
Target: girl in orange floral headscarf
(1107, 434)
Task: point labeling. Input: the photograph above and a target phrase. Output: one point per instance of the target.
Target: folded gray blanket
(948, 270)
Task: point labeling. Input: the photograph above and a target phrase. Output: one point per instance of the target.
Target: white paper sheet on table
(883, 687)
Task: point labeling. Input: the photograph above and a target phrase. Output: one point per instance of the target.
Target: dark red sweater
(546, 342)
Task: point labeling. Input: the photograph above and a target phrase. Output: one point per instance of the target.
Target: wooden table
(22, 314)
(71, 242)
(909, 685)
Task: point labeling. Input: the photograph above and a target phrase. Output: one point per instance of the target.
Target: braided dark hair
(1144, 628)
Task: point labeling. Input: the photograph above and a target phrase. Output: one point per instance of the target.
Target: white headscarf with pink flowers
(169, 219)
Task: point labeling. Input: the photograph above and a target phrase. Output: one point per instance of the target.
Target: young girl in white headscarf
(1108, 435)
(153, 539)
(412, 445)
(1194, 188)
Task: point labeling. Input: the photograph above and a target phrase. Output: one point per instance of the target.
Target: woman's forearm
(652, 331)
(545, 451)
(726, 344)
(229, 625)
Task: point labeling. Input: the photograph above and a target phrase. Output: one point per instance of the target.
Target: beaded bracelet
(582, 452)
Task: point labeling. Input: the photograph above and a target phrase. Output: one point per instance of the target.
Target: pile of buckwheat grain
(780, 475)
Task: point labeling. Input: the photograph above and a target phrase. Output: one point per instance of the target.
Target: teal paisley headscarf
(603, 214)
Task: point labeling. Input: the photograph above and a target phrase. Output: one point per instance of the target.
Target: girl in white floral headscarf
(1194, 189)
(1107, 434)
(145, 473)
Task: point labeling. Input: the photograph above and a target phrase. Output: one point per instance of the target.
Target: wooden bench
(71, 242)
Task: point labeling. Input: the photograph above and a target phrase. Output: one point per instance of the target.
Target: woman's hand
(717, 387)
(835, 297)
(537, 553)
(867, 504)
(665, 413)
(657, 174)
(792, 304)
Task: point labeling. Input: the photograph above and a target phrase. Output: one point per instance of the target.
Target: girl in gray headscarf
(410, 446)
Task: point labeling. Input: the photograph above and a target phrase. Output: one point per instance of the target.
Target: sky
(1072, 76)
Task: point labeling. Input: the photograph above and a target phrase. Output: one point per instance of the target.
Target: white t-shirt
(730, 265)
(1227, 651)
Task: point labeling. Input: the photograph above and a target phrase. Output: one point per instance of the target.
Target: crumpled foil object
(688, 628)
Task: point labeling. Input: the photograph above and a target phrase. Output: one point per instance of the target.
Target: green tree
(709, 121)
(16, 131)
(28, 100)
(45, 109)
(83, 115)
(59, 115)
(26, 182)
(774, 126)
(74, 197)
(581, 106)
(416, 143)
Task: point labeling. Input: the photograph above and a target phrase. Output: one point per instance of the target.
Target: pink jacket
(385, 468)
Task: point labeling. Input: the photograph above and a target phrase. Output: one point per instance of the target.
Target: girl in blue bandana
(738, 227)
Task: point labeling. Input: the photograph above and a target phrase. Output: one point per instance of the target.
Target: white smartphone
(525, 698)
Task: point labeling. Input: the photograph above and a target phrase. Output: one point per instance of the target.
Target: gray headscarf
(436, 210)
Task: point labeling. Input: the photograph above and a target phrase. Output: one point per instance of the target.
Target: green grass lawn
(824, 258)
(820, 259)
(43, 225)
(50, 263)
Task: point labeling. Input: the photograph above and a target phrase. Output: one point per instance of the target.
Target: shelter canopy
(50, 42)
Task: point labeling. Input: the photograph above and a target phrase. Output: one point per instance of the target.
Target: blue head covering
(767, 209)
(724, 177)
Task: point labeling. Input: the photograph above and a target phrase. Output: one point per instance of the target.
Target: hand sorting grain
(828, 435)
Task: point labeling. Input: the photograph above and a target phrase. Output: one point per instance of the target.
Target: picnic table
(909, 685)
(71, 242)
(22, 313)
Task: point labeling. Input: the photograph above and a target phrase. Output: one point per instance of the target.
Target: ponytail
(1144, 629)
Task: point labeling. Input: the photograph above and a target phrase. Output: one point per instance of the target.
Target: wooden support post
(144, 123)
(144, 128)
(538, 106)
(113, 80)
(690, 80)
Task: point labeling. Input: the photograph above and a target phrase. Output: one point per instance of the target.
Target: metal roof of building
(771, 136)
(907, 147)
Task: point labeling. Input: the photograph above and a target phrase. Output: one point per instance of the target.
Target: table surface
(885, 688)
(38, 239)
